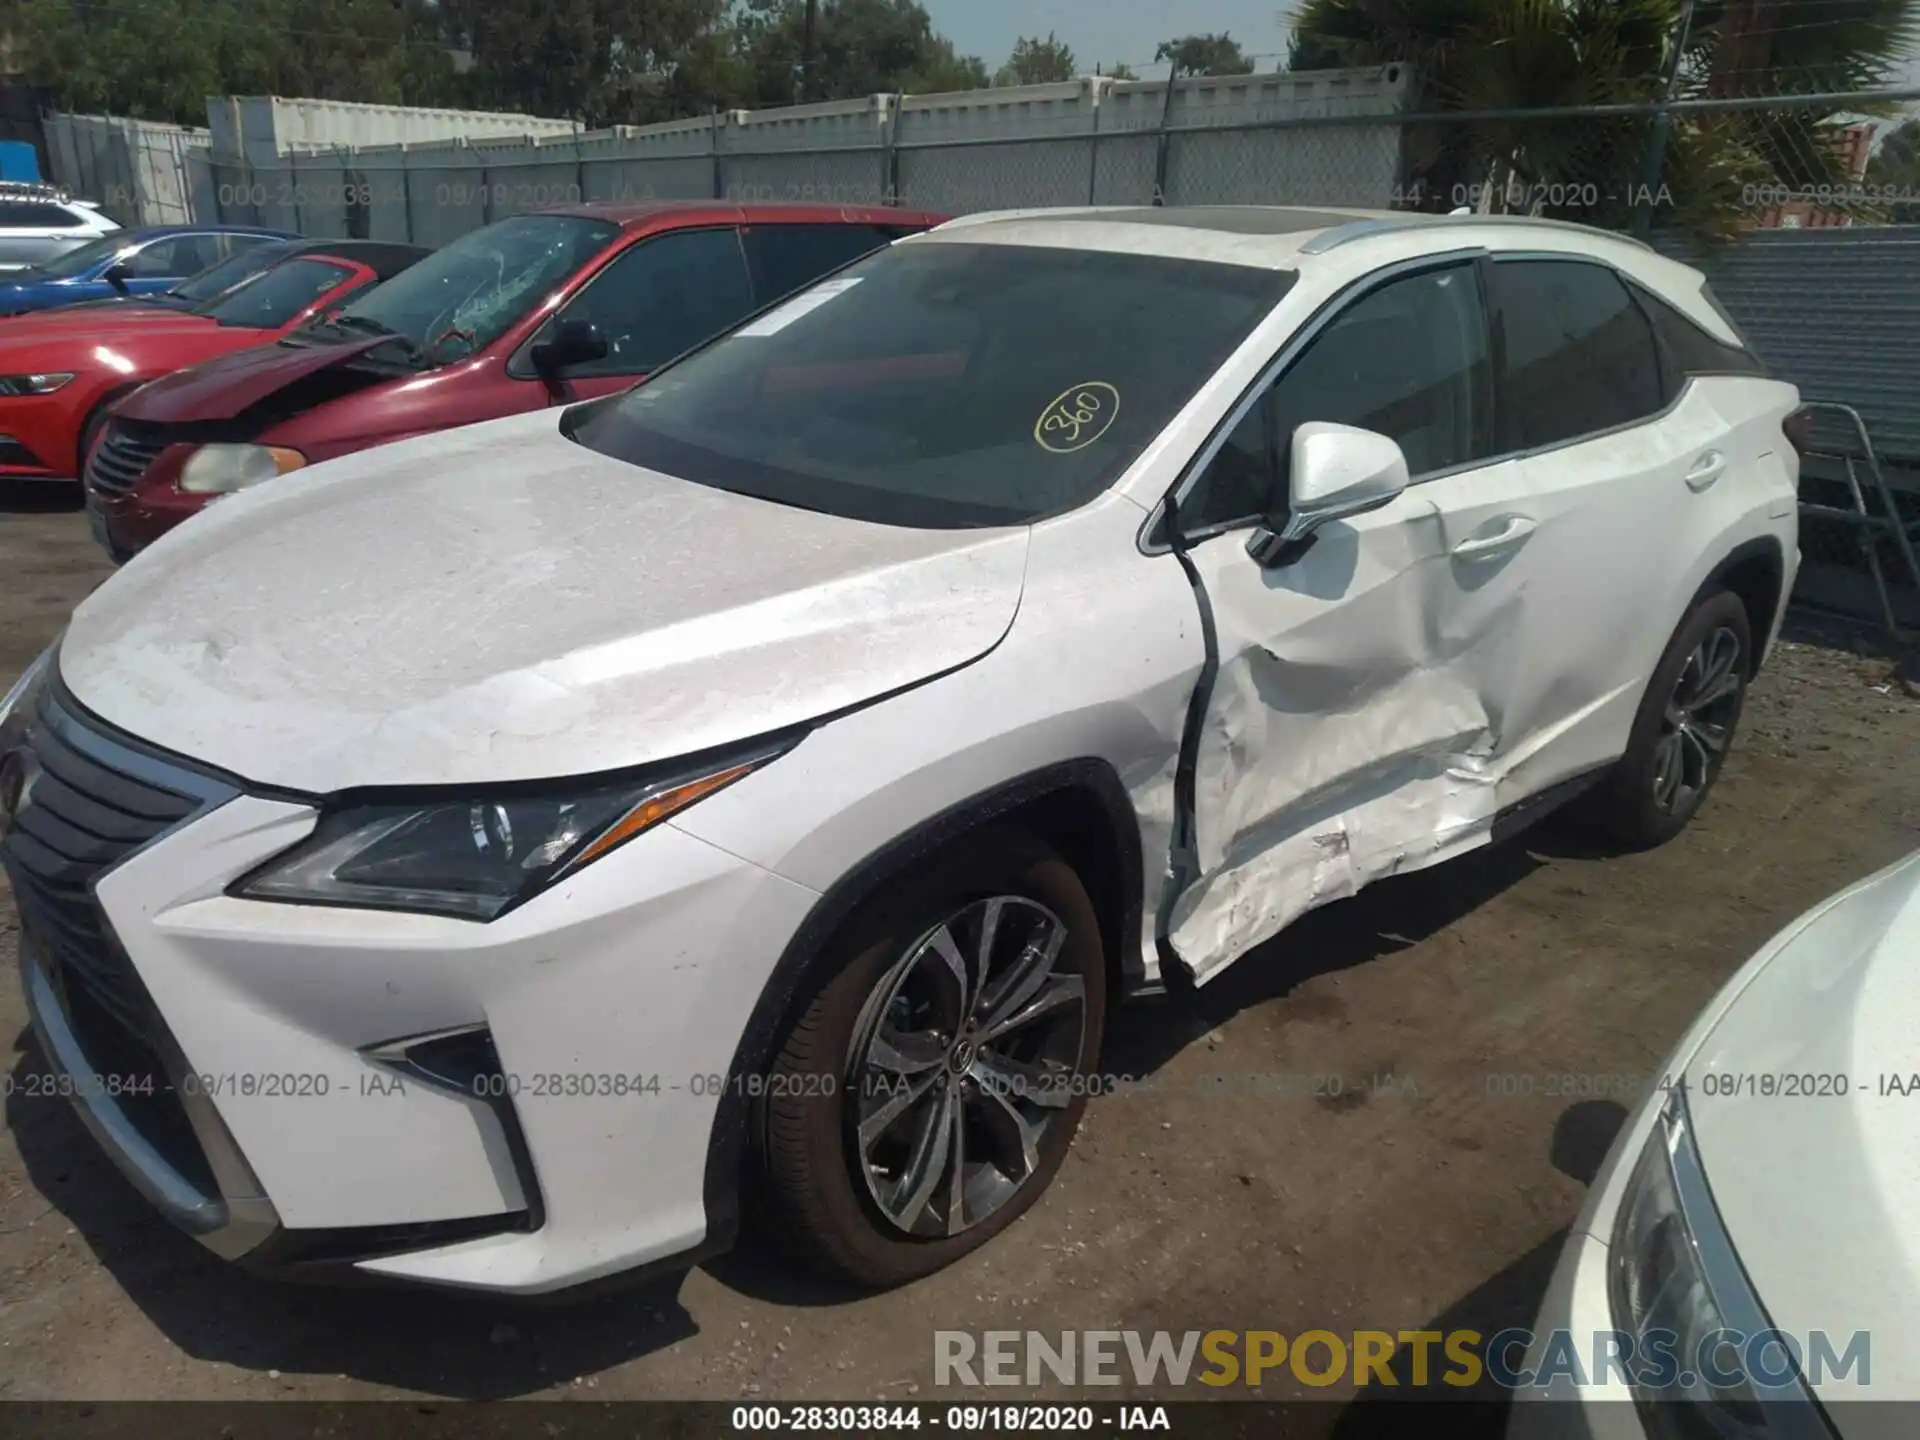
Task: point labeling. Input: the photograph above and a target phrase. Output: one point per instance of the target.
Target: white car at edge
(1763, 1187)
(477, 856)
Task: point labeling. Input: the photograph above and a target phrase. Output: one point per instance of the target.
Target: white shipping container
(262, 128)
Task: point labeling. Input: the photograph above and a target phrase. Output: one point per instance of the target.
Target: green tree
(1037, 62)
(1205, 55)
(861, 47)
(1121, 71)
(160, 59)
(1895, 167)
(598, 61)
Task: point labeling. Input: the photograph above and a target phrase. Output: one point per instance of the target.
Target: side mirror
(116, 275)
(573, 342)
(1338, 471)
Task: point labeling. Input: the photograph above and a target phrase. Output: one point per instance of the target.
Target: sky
(1106, 31)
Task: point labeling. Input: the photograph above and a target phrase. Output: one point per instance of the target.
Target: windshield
(273, 298)
(78, 261)
(218, 279)
(944, 385)
(464, 297)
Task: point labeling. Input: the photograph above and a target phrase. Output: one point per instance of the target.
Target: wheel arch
(98, 411)
(1755, 571)
(1079, 807)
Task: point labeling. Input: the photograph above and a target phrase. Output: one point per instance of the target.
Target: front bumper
(126, 522)
(303, 1107)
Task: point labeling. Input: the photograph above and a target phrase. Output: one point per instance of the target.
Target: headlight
(1678, 1289)
(42, 384)
(222, 469)
(15, 713)
(20, 694)
(477, 857)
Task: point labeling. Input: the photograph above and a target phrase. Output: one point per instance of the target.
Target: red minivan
(541, 309)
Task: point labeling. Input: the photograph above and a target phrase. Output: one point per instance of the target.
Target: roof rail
(1360, 229)
(35, 188)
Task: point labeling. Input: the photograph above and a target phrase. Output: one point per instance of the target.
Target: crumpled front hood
(497, 603)
(225, 387)
(1818, 1190)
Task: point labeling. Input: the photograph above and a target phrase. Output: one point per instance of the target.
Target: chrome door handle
(1707, 469)
(1512, 531)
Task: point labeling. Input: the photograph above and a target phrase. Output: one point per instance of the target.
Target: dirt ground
(1429, 1204)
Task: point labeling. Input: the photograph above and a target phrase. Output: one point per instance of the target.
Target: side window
(1408, 360)
(786, 257)
(169, 259)
(1686, 349)
(1240, 479)
(36, 215)
(661, 297)
(1579, 356)
(225, 247)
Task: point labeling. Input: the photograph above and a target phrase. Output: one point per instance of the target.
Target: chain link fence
(1744, 186)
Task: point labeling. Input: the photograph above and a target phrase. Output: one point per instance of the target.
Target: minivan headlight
(475, 857)
(1673, 1273)
(222, 469)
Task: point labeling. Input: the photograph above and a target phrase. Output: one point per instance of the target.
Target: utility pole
(1662, 126)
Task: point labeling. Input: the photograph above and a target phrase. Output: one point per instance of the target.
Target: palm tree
(1533, 55)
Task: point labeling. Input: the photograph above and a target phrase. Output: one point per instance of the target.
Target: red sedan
(60, 370)
(539, 309)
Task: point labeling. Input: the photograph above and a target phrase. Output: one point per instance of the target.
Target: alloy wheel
(963, 1059)
(1698, 722)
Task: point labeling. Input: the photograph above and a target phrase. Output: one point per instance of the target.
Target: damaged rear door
(1351, 720)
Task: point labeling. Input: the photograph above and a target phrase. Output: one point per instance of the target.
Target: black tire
(1637, 804)
(818, 1084)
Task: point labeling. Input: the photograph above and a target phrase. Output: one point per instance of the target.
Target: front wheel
(928, 1092)
(1684, 727)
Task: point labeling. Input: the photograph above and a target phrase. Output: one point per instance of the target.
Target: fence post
(486, 196)
(890, 156)
(579, 167)
(406, 191)
(1093, 149)
(713, 147)
(1657, 133)
(1166, 138)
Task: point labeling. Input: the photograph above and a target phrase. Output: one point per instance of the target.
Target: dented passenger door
(1348, 725)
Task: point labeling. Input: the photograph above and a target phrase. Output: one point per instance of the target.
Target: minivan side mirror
(1337, 471)
(573, 342)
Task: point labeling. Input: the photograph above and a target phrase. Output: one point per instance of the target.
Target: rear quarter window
(1686, 349)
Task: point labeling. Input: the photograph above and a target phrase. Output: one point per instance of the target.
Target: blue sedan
(128, 262)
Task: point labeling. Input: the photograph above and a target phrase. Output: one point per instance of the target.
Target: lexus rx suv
(470, 860)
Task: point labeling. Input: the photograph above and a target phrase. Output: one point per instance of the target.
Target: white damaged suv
(473, 860)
